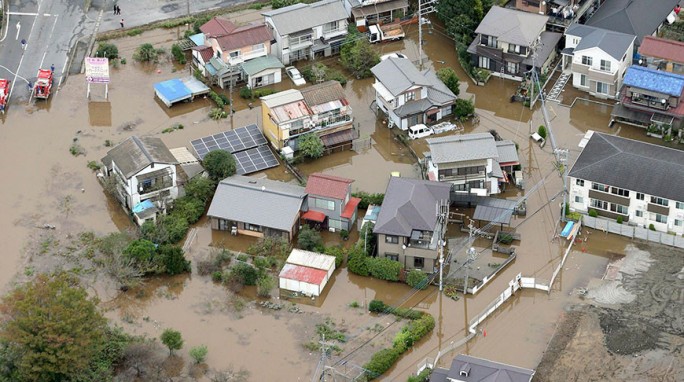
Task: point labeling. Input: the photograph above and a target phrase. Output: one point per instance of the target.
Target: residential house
(262, 71)
(408, 229)
(505, 39)
(639, 18)
(465, 368)
(285, 114)
(473, 163)
(662, 54)
(330, 202)
(144, 170)
(651, 99)
(561, 13)
(257, 207)
(322, 109)
(597, 59)
(305, 31)
(331, 115)
(230, 47)
(368, 12)
(408, 96)
(636, 182)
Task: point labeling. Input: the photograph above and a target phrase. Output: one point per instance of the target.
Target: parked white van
(419, 131)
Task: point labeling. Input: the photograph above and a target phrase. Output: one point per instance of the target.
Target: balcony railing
(300, 40)
(334, 121)
(244, 57)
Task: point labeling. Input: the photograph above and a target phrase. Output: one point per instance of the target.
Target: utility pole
(425, 7)
(442, 218)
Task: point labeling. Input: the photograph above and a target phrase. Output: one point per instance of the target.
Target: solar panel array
(247, 144)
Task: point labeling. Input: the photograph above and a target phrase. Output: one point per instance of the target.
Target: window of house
(253, 227)
(579, 182)
(331, 26)
(490, 41)
(605, 65)
(639, 214)
(392, 256)
(639, 196)
(660, 218)
(579, 199)
(619, 191)
(599, 187)
(418, 262)
(586, 60)
(235, 54)
(660, 201)
(325, 204)
(583, 80)
(391, 239)
(484, 62)
(679, 205)
(258, 47)
(601, 88)
(410, 96)
(512, 67)
(619, 208)
(600, 204)
(678, 222)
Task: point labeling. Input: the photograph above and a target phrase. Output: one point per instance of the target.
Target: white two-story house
(409, 96)
(630, 181)
(597, 59)
(145, 175)
(305, 31)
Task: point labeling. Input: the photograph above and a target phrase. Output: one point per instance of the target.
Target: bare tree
(140, 356)
(229, 375)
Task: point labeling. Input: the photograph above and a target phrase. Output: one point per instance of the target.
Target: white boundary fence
(633, 232)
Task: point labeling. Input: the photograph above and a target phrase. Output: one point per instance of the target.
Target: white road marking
(29, 14)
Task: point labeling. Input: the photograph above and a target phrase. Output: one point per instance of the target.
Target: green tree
(141, 251)
(311, 145)
(199, 353)
(450, 79)
(107, 49)
(358, 57)
(275, 4)
(200, 188)
(309, 239)
(173, 259)
(244, 274)
(145, 53)
(219, 164)
(463, 108)
(172, 339)
(265, 284)
(461, 17)
(51, 330)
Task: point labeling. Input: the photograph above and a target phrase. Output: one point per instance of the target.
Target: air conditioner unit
(331, 229)
(441, 177)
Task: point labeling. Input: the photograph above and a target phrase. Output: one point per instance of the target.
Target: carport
(496, 211)
(177, 90)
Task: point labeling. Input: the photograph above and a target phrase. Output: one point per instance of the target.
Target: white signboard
(97, 70)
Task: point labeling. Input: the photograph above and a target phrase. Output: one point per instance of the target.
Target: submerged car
(419, 131)
(295, 76)
(392, 55)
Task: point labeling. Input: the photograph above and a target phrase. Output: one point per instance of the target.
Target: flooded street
(48, 185)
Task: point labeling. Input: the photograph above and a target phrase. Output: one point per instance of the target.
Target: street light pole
(425, 7)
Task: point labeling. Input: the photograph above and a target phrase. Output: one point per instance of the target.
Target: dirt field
(641, 340)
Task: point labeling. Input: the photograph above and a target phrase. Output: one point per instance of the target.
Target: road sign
(97, 70)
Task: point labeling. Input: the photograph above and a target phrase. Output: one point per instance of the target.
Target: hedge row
(420, 325)
(379, 267)
(367, 199)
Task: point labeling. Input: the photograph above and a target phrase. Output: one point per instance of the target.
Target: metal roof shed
(497, 211)
(306, 272)
(177, 90)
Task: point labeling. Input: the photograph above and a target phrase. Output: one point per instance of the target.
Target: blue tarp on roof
(172, 90)
(654, 80)
(142, 206)
(198, 39)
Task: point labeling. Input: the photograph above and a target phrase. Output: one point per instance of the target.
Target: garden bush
(651, 227)
(367, 199)
(377, 306)
(178, 54)
(265, 283)
(106, 49)
(542, 131)
(417, 279)
(245, 273)
(463, 108)
(381, 362)
(309, 239)
(190, 208)
(146, 53)
(357, 261)
(173, 259)
(338, 252)
(593, 213)
(384, 269)
(619, 219)
(423, 376)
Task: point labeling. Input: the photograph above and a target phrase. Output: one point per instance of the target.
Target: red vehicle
(4, 94)
(43, 84)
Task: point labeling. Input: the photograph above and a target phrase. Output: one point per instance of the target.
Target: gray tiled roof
(298, 17)
(456, 148)
(257, 201)
(632, 165)
(507, 151)
(636, 17)
(481, 370)
(134, 154)
(398, 75)
(513, 26)
(410, 204)
(615, 44)
(324, 92)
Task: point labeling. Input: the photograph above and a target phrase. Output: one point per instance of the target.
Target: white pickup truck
(386, 32)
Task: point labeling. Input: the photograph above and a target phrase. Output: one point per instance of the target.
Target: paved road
(53, 28)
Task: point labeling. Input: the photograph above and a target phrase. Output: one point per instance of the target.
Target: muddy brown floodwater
(45, 184)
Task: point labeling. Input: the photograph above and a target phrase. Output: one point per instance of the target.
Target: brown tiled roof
(329, 186)
(324, 92)
(662, 48)
(217, 27)
(205, 51)
(245, 36)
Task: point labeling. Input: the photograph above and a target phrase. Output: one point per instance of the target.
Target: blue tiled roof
(654, 80)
